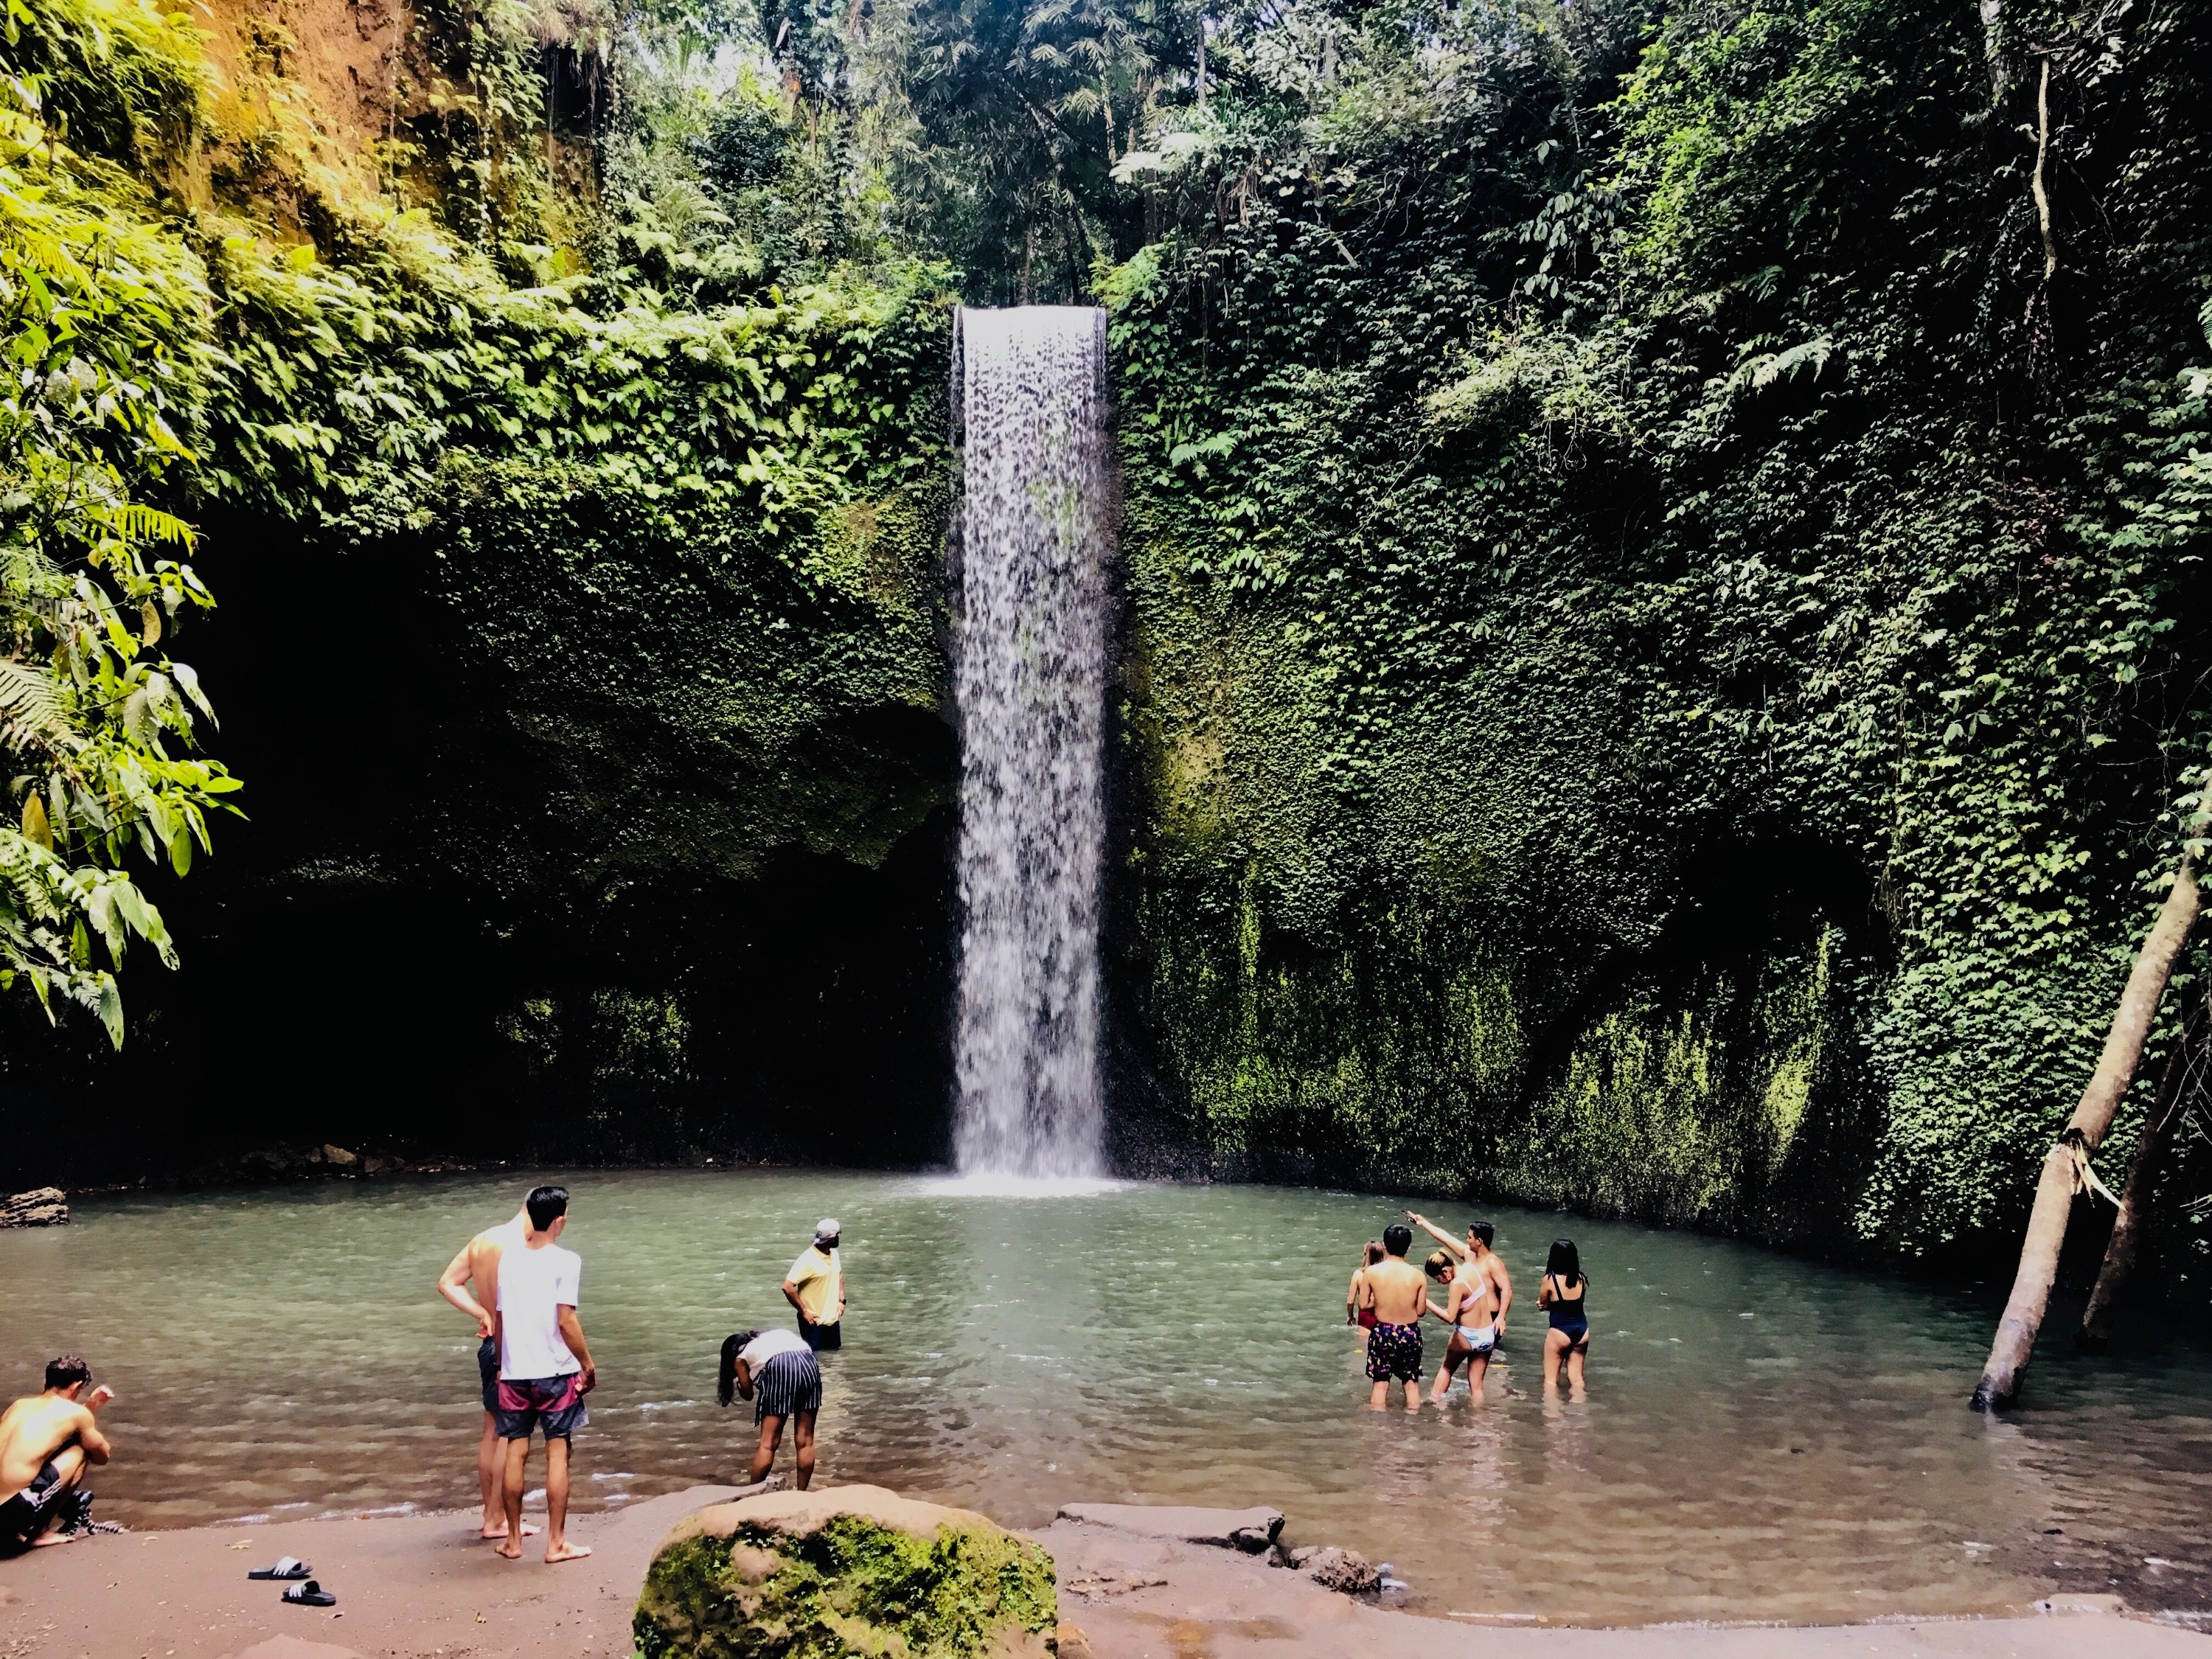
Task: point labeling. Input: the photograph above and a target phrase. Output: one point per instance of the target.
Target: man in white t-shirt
(470, 1283)
(816, 1287)
(546, 1367)
(779, 1373)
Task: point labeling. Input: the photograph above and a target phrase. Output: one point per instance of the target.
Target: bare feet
(528, 1531)
(510, 1548)
(47, 1538)
(565, 1552)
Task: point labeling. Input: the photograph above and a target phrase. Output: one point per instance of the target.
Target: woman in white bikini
(1488, 1297)
(1473, 1333)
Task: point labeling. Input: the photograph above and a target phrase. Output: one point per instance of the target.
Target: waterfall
(1036, 526)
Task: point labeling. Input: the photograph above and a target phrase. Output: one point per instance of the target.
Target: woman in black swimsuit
(1563, 1296)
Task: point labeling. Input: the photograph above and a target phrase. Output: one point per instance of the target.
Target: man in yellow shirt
(816, 1286)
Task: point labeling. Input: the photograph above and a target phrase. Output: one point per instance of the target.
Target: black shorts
(823, 1339)
(24, 1516)
(789, 1384)
(488, 1370)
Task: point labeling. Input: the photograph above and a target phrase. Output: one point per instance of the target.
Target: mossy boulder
(852, 1570)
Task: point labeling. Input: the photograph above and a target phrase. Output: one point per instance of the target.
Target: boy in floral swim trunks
(1402, 1298)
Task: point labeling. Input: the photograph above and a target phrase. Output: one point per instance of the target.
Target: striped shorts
(789, 1384)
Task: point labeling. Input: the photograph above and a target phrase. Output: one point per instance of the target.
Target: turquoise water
(1764, 1437)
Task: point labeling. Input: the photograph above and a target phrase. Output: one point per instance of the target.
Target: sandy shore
(422, 1587)
(1206, 1603)
(407, 1585)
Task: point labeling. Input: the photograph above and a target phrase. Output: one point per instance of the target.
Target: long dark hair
(1566, 1263)
(726, 1380)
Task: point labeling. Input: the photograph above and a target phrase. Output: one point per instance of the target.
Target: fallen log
(2066, 1166)
(2176, 1085)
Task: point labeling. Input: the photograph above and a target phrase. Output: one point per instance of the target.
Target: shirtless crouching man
(477, 1266)
(46, 1442)
(1482, 1291)
(1402, 1298)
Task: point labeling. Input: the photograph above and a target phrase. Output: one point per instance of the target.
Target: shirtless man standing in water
(1402, 1298)
(478, 1266)
(46, 1441)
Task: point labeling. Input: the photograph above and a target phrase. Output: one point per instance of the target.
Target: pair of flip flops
(306, 1593)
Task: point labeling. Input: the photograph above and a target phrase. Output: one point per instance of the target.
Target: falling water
(1035, 527)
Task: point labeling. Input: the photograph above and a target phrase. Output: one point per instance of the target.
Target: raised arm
(1437, 1233)
(453, 1285)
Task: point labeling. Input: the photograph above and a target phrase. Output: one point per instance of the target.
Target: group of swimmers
(1390, 1297)
(534, 1365)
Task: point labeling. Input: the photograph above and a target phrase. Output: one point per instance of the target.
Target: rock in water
(1340, 1570)
(854, 1570)
(42, 1206)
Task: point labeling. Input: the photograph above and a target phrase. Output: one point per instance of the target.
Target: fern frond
(35, 712)
(133, 521)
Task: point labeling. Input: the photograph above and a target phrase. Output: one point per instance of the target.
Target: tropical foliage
(1663, 544)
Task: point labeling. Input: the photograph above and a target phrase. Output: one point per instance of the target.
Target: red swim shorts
(553, 1403)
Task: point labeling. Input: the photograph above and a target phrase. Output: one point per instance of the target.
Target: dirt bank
(422, 1587)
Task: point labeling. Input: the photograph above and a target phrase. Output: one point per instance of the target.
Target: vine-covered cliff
(576, 635)
(1666, 590)
(1660, 586)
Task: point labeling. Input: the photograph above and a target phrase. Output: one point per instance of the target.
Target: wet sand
(1208, 1603)
(407, 1585)
(422, 1587)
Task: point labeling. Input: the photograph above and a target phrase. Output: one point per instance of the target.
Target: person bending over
(779, 1373)
(470, 1283)
(546, 1368)
(1401, 1297)
(46, 1441)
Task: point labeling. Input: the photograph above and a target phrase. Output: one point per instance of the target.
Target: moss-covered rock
(854, 1570)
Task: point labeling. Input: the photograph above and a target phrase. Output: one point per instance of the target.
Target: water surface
(1764, 1438)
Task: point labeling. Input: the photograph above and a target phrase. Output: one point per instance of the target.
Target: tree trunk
(2085, 1133)
(1993, 46)
(2175, 1085)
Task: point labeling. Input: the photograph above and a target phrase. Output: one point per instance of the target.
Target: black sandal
(287, 1567)
(311, 1594)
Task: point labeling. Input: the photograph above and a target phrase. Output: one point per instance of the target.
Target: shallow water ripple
(283, 1352)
